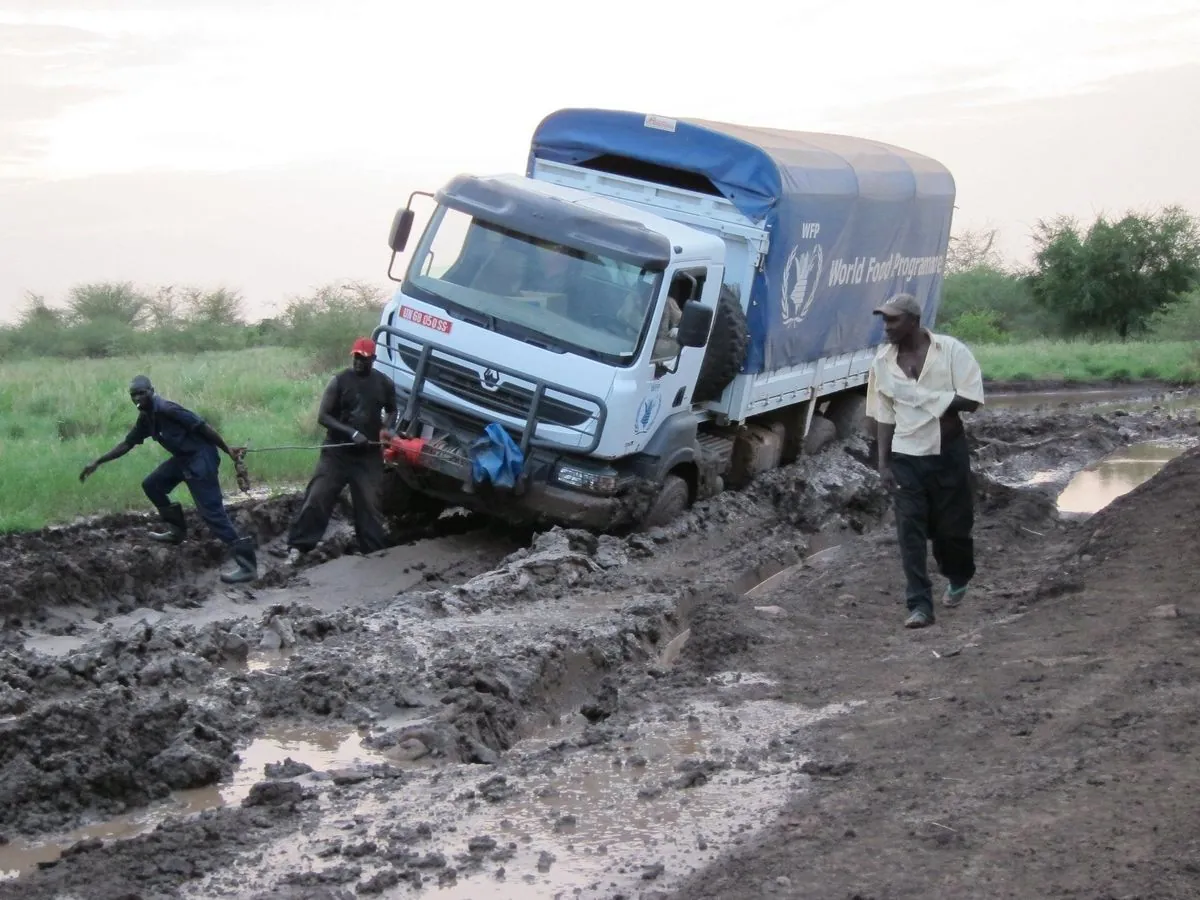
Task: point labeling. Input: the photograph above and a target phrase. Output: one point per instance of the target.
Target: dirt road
(724, 708)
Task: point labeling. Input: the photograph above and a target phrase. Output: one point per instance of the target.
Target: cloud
(49, 69)
(269, 233)
(1116, 145)
(44, 7)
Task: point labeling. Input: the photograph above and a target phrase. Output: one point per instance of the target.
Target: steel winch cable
(243, 474)
(311, 446)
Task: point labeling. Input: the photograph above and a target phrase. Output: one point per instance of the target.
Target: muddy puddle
(1100, 484)
(317, 749)
(662, 799)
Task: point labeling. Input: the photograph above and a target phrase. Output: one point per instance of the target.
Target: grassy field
(55, 417)
(1173, 361)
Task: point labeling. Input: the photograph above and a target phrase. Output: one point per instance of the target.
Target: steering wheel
(613, 324)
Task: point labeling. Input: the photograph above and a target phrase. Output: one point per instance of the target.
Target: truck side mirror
(694, 326)
(402, 224)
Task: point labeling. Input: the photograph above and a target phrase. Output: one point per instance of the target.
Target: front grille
(508, 399)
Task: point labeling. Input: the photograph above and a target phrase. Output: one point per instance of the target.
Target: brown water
(1119, 473)
(587, 810)
(586, 822)
(322, 749)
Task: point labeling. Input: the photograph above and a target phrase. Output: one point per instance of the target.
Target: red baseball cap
(363, 347)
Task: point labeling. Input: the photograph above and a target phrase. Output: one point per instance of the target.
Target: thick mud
(725, 707)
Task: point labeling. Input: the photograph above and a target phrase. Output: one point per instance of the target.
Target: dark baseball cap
(899, 305)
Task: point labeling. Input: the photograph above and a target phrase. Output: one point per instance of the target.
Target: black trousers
(199, 473)
(934, 503)
(363, 472)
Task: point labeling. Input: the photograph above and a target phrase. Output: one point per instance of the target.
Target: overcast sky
(264, 146)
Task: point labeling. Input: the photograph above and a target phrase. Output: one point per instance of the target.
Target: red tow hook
(396, 448)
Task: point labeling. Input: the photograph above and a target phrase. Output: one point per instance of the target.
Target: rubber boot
(245, 563)
(176, 528)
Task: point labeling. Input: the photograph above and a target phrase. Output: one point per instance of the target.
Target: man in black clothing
(193, 445)
(351, 412)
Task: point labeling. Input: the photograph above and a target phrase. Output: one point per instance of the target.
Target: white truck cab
(598, 344)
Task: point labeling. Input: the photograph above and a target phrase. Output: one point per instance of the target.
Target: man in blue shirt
(193, 446)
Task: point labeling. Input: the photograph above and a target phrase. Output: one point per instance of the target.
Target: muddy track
(450, 669)
(110, 564)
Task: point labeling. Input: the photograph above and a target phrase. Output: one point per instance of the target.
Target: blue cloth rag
(496, 459)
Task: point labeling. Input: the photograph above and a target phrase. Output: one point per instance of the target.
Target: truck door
(672, 370)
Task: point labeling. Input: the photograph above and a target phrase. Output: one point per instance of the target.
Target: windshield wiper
(467, 314)
(531, 336)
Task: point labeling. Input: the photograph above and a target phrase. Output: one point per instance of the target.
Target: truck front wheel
(405, 507)
(672, 501)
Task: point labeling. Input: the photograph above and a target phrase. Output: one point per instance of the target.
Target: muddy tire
(403, 507)
(848, 413)
(672, 502)
(726, 351)
(821, 433)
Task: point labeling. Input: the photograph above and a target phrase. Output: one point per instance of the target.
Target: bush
(1004, 295)
(980, 326)
(1180, 322)
(106, 320)
(327, 322)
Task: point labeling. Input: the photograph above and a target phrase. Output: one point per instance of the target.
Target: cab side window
(685, 287)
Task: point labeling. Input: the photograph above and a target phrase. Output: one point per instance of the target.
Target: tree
(108, 302)
(973, 250)
(217, 307)
(37, 314)
(1117, 275)
(164, 308)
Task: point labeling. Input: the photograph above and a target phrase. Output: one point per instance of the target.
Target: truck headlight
(586, 480)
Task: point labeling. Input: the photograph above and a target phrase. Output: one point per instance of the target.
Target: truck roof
(852, 222)
(697, 242)
(754, 168)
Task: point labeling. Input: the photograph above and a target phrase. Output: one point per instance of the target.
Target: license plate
(408, 314)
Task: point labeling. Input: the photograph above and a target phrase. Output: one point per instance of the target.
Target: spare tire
(726, 351)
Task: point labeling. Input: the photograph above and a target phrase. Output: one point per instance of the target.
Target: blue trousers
(199, 471)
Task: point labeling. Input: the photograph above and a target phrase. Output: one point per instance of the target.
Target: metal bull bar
(425, 350)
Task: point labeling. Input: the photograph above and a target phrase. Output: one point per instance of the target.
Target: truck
(658, 309)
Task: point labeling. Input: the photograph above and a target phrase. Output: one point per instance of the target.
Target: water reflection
(1097, 486)
(320, 748)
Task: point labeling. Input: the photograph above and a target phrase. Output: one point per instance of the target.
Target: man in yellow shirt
(918, 385)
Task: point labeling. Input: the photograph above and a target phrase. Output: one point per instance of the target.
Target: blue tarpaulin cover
(851, 221)
(495, 458)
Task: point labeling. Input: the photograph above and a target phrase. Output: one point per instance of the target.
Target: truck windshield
(533, 289)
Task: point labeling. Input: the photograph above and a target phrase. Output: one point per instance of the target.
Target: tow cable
(243, 474)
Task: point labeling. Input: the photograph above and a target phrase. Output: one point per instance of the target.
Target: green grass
(1078, 361)
(57, 416)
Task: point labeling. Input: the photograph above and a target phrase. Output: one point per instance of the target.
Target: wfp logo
(647, 412)
(801, 276)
